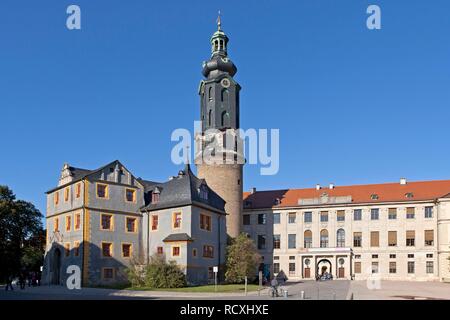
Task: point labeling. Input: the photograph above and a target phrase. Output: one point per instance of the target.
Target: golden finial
(219, 23)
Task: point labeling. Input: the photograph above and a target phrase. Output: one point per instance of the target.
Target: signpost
(215, 270)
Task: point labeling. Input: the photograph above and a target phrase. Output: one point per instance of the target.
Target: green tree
(22, 238)
(162, 274)
(242, 259)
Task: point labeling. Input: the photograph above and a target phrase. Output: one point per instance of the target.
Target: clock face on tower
(225, 83)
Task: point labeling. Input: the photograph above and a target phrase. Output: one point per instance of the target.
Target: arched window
(225, 122)
(324, 238)
(307, 239)
(210, 94)
(340, 238)
(216, 45)
(224, 96)
(210, 118)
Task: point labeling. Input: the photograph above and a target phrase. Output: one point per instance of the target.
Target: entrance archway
(56, 266)
(324, 265)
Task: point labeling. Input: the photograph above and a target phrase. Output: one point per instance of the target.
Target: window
(392, 213)
(428, 212)
(159, 250)
(357, 239)
(78, 190)
(276, 267)
(410, 213)
(106, 222)
(208, 251)
(155, 197)
(276, 218)
(429, 237)
(56, 197)
(292, 239)
(175, 251)
(194, 252)
(429, 255)
(411, 267)
(374, 214)
(340, 215)
(126, 250)
(357, 256)
(154, 222)
(291, 217)
(210, 273)
(392, 256)
(176, 223)
(324, 239)
(276, 241)
(410, 238)
(409, 195)
(108, 273)
(324, 216)
(430, 267)
(77, 221)
(291, 268)
(205, 222)
(106, 249)
(308, 239)
(357, 214)
(308, 217)
(66, 194)
(375, 267)
(276, 258)
(392, 267)
(357, 267)
(291, 257)
(392, 238)
(374, 239)
(130, 195)
(246, 219)
(410, 255)
(68, 223)
(102, 190)
(261, 242)
(262, 218)
(56, 224)
(67, 250)
(203, 192)
(131, 224)
(340, 238)
(374, 197)
(76, 248)
(374, 256)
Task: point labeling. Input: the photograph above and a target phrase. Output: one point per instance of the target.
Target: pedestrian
(9, 281)
(29, 276)
(38, 278)
(33, 279)
(22, 280)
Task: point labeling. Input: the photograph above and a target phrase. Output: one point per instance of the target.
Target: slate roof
(177, 237)
(386, 192)
(183, 190)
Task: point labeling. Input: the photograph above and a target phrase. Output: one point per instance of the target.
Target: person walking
(9, 281)
(22, 280)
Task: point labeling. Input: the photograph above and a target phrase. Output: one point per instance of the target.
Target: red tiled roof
(387, 192)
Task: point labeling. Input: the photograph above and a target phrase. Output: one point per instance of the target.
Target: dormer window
(277, 201)
(409, 195)
(155, 197)
(247, 204)
(203, 191)
(374, 196)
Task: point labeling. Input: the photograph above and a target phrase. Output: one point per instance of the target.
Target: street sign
(215, 269)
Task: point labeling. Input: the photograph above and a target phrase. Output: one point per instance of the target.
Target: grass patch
(207, 288)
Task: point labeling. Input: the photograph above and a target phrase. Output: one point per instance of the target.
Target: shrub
(242, 259)
(162, 274)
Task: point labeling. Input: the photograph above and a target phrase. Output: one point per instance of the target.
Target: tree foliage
(242, 259)
(159, 273)
(22, 238)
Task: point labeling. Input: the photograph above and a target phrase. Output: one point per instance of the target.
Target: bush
(136, 272)
(242, 260)
(162, 274)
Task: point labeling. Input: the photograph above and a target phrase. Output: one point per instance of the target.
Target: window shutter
(392, 210)
(429, 235)
(410, 234)
(357, 267)
(410, 210)
(374, 239)
(392, 237)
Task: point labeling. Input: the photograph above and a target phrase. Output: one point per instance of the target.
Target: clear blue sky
(353, 106)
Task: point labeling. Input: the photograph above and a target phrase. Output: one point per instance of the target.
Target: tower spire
(219, 22)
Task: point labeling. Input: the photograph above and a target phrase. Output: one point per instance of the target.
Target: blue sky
(353, 106)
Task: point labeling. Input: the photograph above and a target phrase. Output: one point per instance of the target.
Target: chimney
(253, 190)
(318, 187)
(331, 185)
(403, 181)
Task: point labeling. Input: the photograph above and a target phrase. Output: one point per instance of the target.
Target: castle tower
(219, 156)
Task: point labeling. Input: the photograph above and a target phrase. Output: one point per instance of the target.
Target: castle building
(391, 231)
(103, 220)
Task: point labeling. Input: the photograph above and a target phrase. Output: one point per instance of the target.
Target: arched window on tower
(210, 118)
(216, 45)
(225, 122)
(324, 238)
(210, 94)
(307, 239)
(340, 238)
(224, 96)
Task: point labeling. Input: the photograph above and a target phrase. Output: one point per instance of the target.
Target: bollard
(285, 293)
(302, 295)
